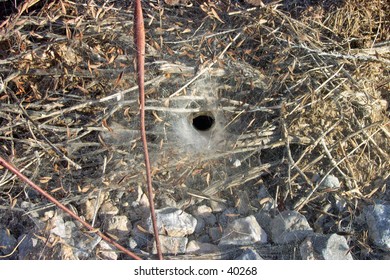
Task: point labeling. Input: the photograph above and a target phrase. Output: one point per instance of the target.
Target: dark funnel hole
(203, 122)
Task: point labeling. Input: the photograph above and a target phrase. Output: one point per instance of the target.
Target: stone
(173, 222)
(255, 2)
(108, 208)
(118, 226)
(196, 247)
(140, 235)
(29, 248)
(58, 227)
(265, 200)
(330, 182)
(132, 243)
(200, 225)
(243, 231)
(289, 227)
(264, 219)
(378, 222)
(325, 247)
(204, 238)
(89, 207)
(217, 206)
(227, 216)
(171, 245)
(85, 245)
(206, 213)
(215, 233)
(7, 242)
(243, 203)
(106, 251)
(249, 254)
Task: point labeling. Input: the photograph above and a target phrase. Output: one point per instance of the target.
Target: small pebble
(227, 216)
(378, 221)
(215, 233)
(289, 227)
(217, 206)
(30, 247)
(58, 227)
(7, 242)
(172, 222)
(106, 251)
(206, 213)
(330, 182)
(141, 237)
(108, 208)
(325, 247)
(200, 225)
(249, 254)
(196, 247)
(118, 226)
(171, 245)
(243, 231)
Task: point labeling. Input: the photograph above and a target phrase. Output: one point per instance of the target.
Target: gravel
(325, 247)
(249, 254)
(118, 226)
(7, 242)
(330, 182)
(196, 247)
(378, 222)
(243, 231)
(173, 222)
(289, 227)
(171, 245)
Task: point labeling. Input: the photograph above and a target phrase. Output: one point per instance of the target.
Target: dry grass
(304, 90)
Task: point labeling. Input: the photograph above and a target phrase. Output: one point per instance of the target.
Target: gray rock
(217, 206)
(91, 205)
(264, 219)
(249, 254)
(58, 227)
(340, 204)
(227, 216)
(210, 220)
(85, 245)
(70, 226)
(172, 222)
(200, 225)
(196, 247)
(204, 238)
(29, 248)
(202, 211)
(378, 221)
(171, 245)
(215, 233)
(325, 247)
(108, 208)
(7, 242)
(243, 203)
(265, 200)
(106, 251)
(289, 227)
(132, 243)
(118, 226)
(243, 231)
(330, 182)
(140, 236)
(206, 213)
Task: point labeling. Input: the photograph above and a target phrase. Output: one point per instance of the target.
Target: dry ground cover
(241, 96)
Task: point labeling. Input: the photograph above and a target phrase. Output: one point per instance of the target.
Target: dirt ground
(298, 90)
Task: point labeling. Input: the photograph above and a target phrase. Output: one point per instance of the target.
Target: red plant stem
(7, 165)
(139, 38)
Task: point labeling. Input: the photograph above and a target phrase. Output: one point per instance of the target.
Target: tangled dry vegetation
(303, 85)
